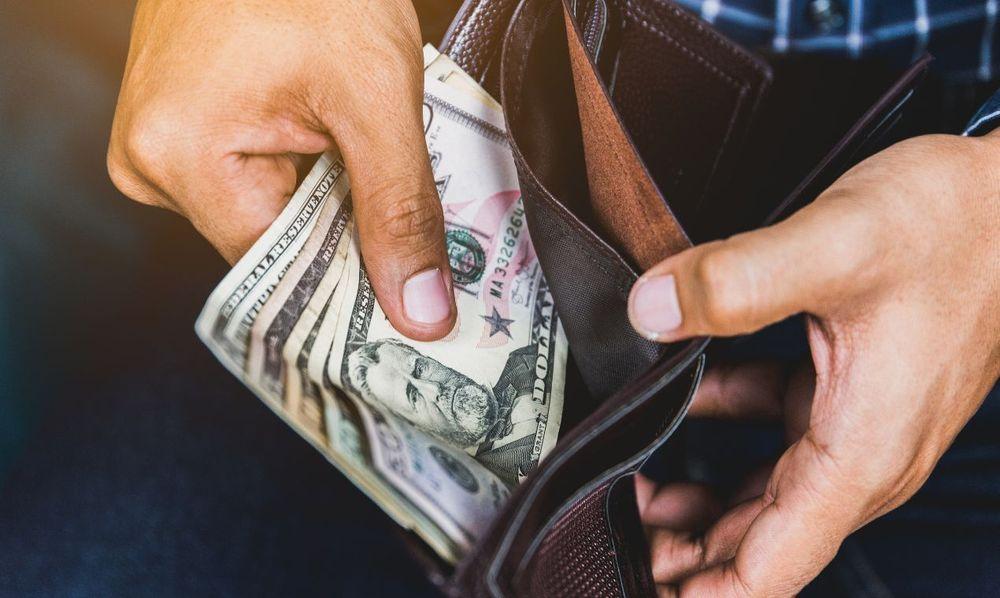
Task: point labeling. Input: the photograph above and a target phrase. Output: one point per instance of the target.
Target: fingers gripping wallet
(635, 128)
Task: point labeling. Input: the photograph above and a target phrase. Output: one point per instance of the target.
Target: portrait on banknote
(447, 404)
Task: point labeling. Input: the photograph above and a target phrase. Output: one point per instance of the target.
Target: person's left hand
(897, 267)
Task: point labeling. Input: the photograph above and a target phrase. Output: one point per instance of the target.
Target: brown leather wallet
(635, 128)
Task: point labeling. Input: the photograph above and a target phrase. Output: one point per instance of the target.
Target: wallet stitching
(644, 20)
(619, 543)
(611, 503)
(641, 18)
(710, 35)
(464, 21)
(725, 141)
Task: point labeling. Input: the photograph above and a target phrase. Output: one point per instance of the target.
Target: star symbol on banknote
(498, 323)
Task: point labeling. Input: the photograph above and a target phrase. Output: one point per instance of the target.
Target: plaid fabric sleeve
(986, 119)
(961, 34)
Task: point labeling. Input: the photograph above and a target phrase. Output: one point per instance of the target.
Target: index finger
(810, 506)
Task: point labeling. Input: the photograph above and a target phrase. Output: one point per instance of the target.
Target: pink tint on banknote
(499, 221)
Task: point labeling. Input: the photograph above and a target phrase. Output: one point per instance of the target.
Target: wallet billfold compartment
(635, 128)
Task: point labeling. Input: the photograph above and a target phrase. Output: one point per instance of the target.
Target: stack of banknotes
(436, 433)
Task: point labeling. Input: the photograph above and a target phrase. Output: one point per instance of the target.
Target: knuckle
(125, 179)
(145, 141)
(738, 583)
(700, 550)
(858, 260)
(401, 34)
(408, 220)
(721, 278)
(907, 475)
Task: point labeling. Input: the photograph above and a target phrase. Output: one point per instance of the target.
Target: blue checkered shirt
(961, 34)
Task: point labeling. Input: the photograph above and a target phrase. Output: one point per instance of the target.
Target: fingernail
(655, 308)
(425, 297)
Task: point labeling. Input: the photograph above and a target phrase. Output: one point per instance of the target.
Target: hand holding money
(220, 138)
(437, 433)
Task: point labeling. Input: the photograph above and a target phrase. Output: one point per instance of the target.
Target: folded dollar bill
(437, 433)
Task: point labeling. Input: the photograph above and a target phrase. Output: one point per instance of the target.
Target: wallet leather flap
(524, 552)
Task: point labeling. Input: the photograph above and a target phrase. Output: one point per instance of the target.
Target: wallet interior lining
(594, 170)
(689, 155)
(589, 278)
(545, 123)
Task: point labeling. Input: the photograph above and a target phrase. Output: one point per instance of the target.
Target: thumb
(399, 216)
(751, 280)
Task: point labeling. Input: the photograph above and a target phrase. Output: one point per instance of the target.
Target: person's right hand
(221, 100)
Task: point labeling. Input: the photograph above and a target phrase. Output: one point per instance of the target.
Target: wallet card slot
(589, 278)
(687, 97)
(625, 202)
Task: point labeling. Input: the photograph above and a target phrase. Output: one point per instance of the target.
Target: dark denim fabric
(131, 463)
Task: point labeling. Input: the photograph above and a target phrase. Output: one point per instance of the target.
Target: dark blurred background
(130, 462)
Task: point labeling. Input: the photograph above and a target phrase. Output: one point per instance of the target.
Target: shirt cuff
(986, 119)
